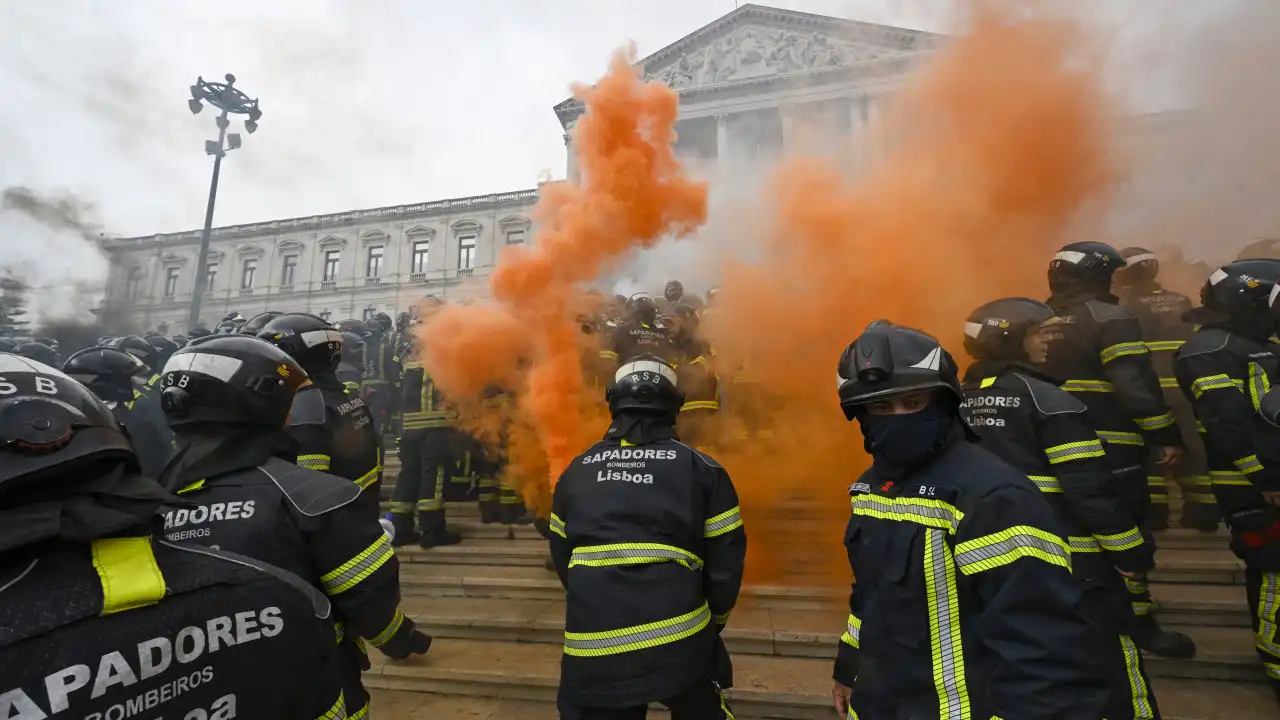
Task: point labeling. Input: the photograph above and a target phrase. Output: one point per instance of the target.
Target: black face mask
(898, 443)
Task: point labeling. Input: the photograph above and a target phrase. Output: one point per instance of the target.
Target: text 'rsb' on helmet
(996, 330)
(105, 371)
(230, 380)
(1086, 264)
(645, 384)
(49, 424)
(887, 361)
(1235, 290)
(308, 339)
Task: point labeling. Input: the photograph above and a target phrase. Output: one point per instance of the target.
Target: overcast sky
(366, 102)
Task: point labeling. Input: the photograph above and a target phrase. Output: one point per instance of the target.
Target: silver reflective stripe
(1072, 256)
(19, 364)
(219, 366)
(633, 553)
(977, 557)
(944, 628)
(646, 366)
(1079, 543)
(312, 338)
(1046, 483)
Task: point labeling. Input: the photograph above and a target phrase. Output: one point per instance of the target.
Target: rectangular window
(373, 268)
(210, 274)
(325, 315)
(171, 282)
(421, 250)
(331, 259)
(515, 237)
(369, 312)
(466, 252)
(134, 285)
(248, 273)
(288, 269)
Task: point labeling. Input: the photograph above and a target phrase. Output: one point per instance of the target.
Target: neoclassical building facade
(753, 85)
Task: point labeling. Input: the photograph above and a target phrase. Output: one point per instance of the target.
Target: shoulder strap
(319, 603)
(1104, 312)
(308, 407)
(1051, 400)
(311, 493)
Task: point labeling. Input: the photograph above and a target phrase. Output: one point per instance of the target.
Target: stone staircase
(498, 616)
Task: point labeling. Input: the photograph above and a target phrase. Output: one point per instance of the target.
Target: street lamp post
(231, 101)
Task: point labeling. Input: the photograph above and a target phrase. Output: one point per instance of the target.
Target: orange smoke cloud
(633, 193)
(990, 153)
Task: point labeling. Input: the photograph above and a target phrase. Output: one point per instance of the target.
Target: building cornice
(414, 211)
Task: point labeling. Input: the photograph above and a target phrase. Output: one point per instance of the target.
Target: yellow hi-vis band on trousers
(1268, 604)
(355, 570)
(633, 554)
(129, 573)
(389, 631)
(1137, 685)
(638, 637)
(338, 711)
(944, 628)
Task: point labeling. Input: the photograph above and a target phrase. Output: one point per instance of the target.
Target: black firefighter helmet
(230, 380)
(308, 339)
(383, 321)
(1142, 266)
(52, 426)
(141, 349)
(1087, 265)
(353, 326)
(107, 372)
(39, 352)
(1239, 290)
(164, 348)
(889, 360)
(255, 324)
(996, 330)
(353, 349)
(645, 384)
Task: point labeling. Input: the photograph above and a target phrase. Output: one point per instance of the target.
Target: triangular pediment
(755, 42)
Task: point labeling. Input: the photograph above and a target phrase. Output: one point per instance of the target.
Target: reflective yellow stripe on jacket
(633, 554)
(317, 461)
(1046, 483)
(1074, 451)
(1007, 546)
(129, 574)
(1120, 350)
(1088, 386)
(922, 511)
(944, 627)
(724, 522)
(639, 637)
(852, 631)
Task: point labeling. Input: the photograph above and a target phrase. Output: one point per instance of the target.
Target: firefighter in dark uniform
(109, 374)
(1226, 370)
(1025, 419)
(426, 461)
(377, 388)
(350, 370)
(964, 603)
(1096, 349)
(228, 400)
(392, 370)
(697, 379)
(329, 424)
(1159, 312)
(100, 615)
(639, 332)
(165, 348)
(647, 538)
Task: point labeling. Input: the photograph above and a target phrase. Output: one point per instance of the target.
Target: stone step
(1184, 539)
(487, 680)
(1201, 605)
(516, 582)
(755, 629)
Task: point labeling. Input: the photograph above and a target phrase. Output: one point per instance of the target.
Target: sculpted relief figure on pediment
(756, 51)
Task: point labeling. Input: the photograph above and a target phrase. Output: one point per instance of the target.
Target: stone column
(875, 132)
(571, 156)
(787, 114)
(722, 138)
